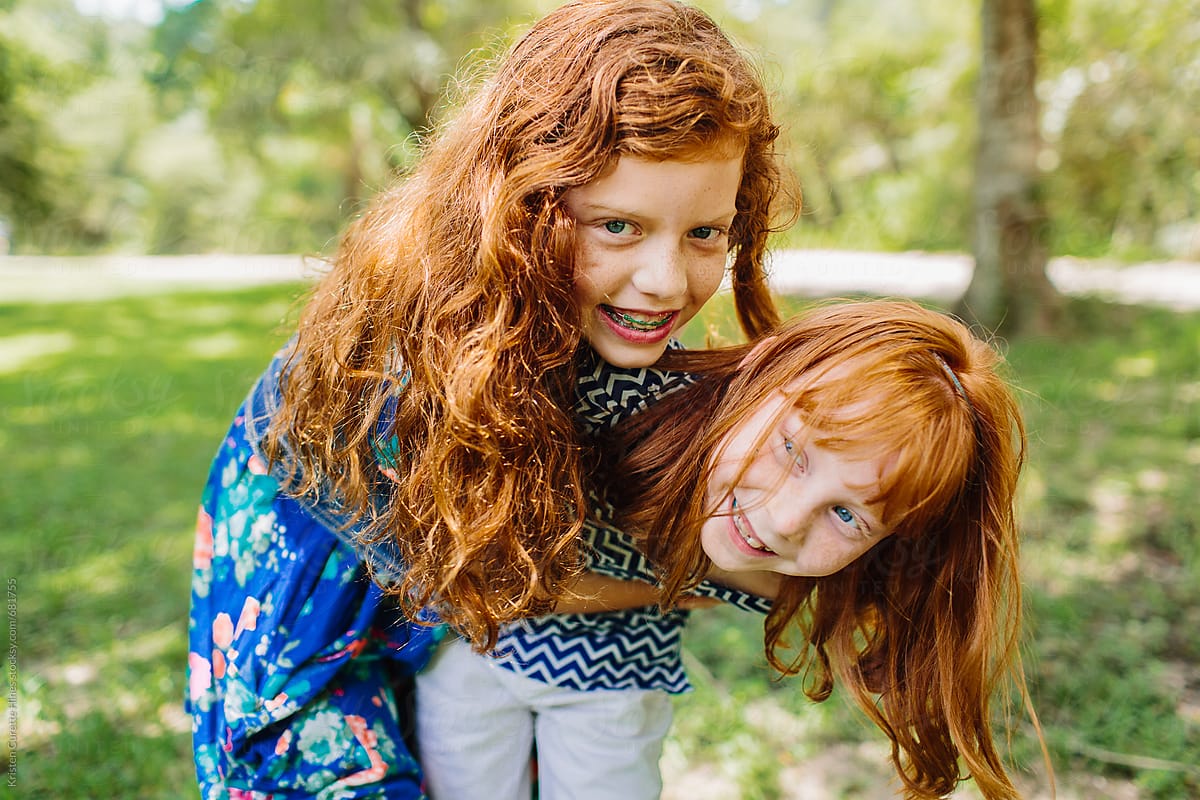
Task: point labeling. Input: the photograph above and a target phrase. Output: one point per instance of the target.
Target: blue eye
(796, 455)
(616, 226)
(846, 516)
(705, 233)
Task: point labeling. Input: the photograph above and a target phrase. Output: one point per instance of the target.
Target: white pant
(477, 721)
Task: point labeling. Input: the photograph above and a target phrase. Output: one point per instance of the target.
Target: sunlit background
(235, 126)
(221, 133)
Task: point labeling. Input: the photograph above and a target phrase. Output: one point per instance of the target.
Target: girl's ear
(756, 351)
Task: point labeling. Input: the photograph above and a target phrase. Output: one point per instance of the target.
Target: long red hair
(461, 275)
(922, 628)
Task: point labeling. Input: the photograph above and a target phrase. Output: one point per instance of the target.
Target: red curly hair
(923, 628)
(461, 275)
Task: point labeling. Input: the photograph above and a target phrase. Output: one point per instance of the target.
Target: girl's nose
(791, 515)
(662, 274)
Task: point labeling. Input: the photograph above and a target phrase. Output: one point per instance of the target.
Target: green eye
(616, 226)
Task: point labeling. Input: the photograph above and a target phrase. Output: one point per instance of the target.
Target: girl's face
(651, 243)
(796, 508)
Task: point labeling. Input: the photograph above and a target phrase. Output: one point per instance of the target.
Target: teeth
(633, 323)
(750, 538)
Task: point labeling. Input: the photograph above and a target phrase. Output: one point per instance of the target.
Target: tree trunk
(1009, 291)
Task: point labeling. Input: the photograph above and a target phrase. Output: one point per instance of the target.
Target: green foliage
(879, 115)
(1120, 118)
(102, 169)
(38, 66)
(877, 109)
(262, 126)
(318, 98)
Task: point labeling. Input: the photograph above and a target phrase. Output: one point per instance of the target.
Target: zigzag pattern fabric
(634, 649)
(605, 395)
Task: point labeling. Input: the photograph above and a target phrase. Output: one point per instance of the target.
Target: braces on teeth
(638, 324)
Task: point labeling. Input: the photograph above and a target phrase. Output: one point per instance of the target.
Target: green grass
(112, 410)
(111, 413)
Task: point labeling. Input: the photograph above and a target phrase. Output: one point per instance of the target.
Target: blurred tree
(876, 102)
(33, 158)
(1122, 110)
(259, 125)
(87, 160)
(325, 97)
(1009, 290)
(879, 101)
(23, 195)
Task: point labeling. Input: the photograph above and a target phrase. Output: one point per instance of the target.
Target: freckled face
(798, 508)
(651, 242)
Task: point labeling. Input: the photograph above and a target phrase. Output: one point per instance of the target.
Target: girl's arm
(763, 584)
(594, 593)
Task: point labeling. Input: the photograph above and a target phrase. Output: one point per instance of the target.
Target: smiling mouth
(639, 322)
(742, 525)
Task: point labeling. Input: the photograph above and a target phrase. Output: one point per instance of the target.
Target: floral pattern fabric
(294, 654)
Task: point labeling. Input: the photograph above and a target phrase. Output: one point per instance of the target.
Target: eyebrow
(875, 520)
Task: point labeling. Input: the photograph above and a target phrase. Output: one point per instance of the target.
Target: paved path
(942, 277)
(51, 279)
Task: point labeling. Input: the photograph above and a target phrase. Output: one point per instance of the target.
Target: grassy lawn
(112, 410)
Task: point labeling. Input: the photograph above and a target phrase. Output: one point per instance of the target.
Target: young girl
(871, 452)
(867, 451)
(593, 190)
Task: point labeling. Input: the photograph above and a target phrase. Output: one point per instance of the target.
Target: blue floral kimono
(293, 652)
